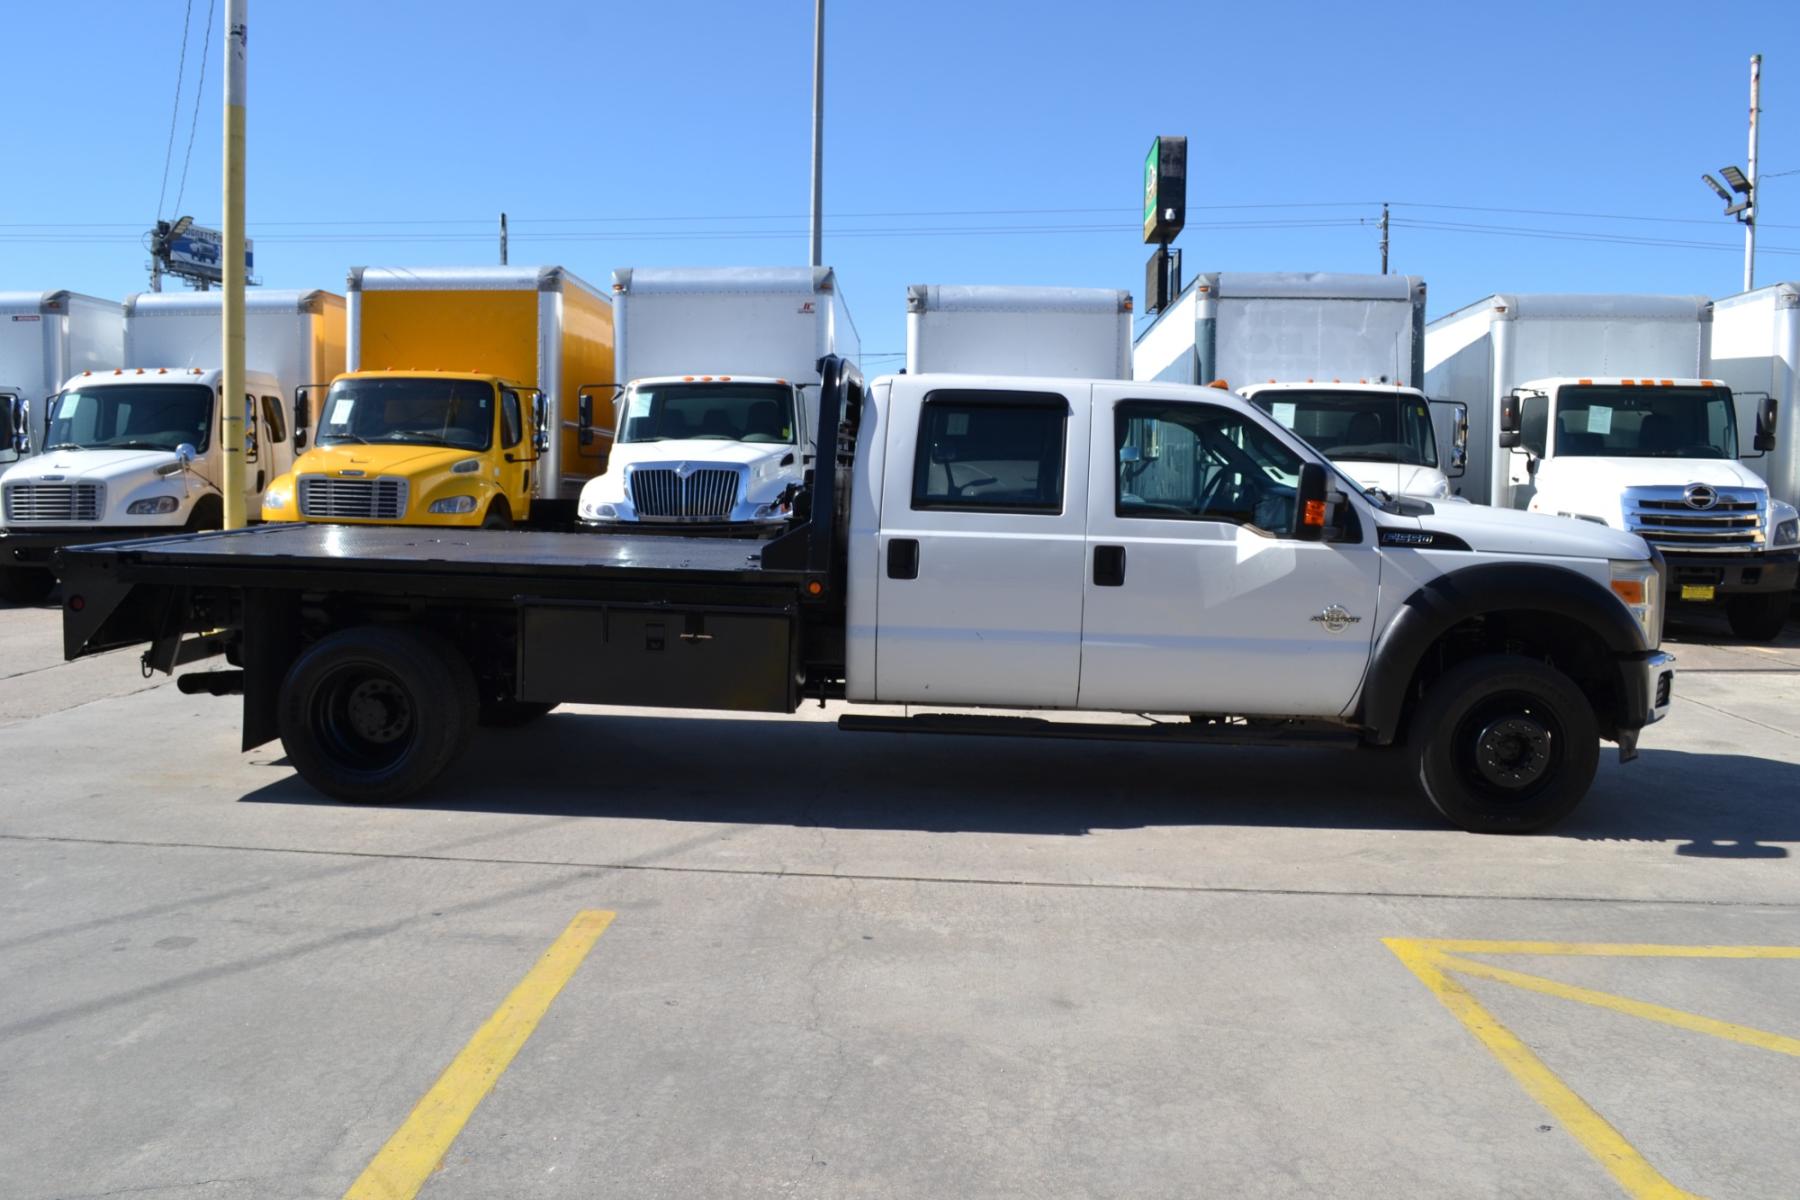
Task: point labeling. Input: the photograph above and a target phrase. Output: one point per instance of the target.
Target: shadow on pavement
(808, 773)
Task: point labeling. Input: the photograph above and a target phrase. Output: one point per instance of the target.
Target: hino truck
(710, 423)
(1756, 352)
(45, 337)
(1054, 331)
(966, 541)
(1601, 409)
(135, 451)
(1336, 358)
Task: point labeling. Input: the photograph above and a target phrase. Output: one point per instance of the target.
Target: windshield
(730, 412)
(423, 411)
(1350, 426)
(1645, 422)
(144, 416)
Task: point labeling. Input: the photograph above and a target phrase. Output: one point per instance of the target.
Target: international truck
(1052, 331)
(135, 451)
(1336, 358)
(45, 337)
(1756, 352)
(967, 541)
(1600, 409)
(708, 417)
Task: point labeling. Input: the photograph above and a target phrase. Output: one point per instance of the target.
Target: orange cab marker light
(1631, 591)
(162, 370)
(1314, 514)
(1627, 383)
(1667, 382)
(118, 370)
(782, 382)
(1647, 382)
(1708, 383)
(1220, 384)
(724, 379)
(687, 379)
(1585, 382)
(815, 587)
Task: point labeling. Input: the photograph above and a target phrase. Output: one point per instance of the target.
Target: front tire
(1504, 744)
(374, 714)
(1758, 616)
(498, 516)
(26, 585)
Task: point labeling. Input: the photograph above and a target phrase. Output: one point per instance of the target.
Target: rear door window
(991, 452)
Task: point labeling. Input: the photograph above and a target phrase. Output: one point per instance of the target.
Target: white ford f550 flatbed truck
(964, 541)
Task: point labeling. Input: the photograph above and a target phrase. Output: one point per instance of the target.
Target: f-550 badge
(1337, 618)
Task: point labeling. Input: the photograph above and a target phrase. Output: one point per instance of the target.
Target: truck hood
(1509, 531)
(1613, 475)
(96, 466)
(379, 460)
(703, 450)
(1396, 479)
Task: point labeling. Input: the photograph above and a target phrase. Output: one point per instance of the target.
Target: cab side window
(274, 420)
(1534, 424)
(991, 452)
(1199, 462)
(512, 422)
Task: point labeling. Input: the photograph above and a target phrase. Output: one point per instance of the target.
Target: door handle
(1109, 566)
(903, 558)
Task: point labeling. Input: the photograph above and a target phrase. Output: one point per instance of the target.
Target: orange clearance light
(1708, 383)
(1585, 382)
(1668, 382)
(162, 370)
(782, 382)
(1314, 515)
(724, 379)
(1647, 382)
(1128, 304)
(706, 379)
(687, 379)
(1220, 384)
(87, 372)
(1627, 383)
(118, 370)
(1337, 381)
(1631, 591)
(814, 588)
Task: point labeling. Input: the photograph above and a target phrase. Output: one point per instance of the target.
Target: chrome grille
(53, 501)
(329, 498)
(1735, 523)
(661, 492)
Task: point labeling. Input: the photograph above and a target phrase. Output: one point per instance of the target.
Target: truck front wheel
(374, 714)
(25, 585)
(1757, 616)
(1504, 744)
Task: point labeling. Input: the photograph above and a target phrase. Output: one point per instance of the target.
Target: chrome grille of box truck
(53, 501)
(1734, 521)
(324, 497)
(661, 492)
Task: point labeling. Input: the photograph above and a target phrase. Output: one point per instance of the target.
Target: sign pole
(232, 391)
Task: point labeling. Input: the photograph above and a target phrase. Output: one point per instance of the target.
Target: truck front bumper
(1729, 574)
(37, 547)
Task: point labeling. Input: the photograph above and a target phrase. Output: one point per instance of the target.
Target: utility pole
(1751, 214)
(231, 399)
(503, 239)
(818, 161)
(1384, 236)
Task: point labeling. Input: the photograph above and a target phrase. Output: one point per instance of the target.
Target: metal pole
(1751, 213)
(1384, 238)
(503, 239)
(818, 164)
(231, 399)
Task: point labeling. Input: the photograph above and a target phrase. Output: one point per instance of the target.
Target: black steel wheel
(375, 713)
(1758, 616)
(1504, 744)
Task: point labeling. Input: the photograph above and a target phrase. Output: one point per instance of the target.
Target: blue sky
(982, 141)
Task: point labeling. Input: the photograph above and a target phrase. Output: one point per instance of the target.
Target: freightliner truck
(1598, 408)
(964, 541)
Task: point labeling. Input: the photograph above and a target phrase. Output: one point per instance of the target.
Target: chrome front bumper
(1659, 685)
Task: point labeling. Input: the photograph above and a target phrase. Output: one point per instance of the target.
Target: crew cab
(964, 542)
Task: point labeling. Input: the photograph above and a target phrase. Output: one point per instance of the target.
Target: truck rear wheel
(374, 714)
(1504, 744)
(1758, 616)
(25, 585)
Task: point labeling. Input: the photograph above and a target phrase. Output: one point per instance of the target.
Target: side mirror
(184, 456)
(1509, 421)
(1130, 454)
(1459, 439)
(302, 414)
(1311, 509)
(540, 424)
(584, 419)
(1765, 423)
(12, 424)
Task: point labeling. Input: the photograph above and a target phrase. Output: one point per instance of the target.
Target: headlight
(453, 504)
(155, 506)
(274, 498)
(1786, 523)
(775, 510)
(602, 512)
(1639, 585)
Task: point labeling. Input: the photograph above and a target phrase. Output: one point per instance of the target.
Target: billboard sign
(201, 252)
(1165, 189)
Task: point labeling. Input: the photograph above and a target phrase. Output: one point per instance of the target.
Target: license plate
(1698, 591)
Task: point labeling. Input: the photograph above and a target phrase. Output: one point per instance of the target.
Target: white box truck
(1756, 352)
(135, 451)
(45, 337)
(1030, 331)
(710, 409)
(1336, 358)
(1602, 408)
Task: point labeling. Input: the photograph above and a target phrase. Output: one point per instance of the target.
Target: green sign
(1165, 189)
(1150, 177)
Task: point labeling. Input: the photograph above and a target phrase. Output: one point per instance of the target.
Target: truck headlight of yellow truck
(453, 504)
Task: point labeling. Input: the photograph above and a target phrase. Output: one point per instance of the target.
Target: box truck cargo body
(1035, 331)
(541, 328)
(709, 414)
(1601, 408)
(1337, 358)
(45, 337)
(1756, 352)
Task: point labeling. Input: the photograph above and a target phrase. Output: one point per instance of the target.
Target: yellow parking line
(1602, 949)
(419, 1145)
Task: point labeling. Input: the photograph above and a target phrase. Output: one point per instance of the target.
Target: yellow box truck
(459, 404)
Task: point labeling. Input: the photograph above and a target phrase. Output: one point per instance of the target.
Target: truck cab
(415, 448)
(1381, 435)
(1659, 458)
(702, 453)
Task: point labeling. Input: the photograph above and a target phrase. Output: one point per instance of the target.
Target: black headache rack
(588, 617)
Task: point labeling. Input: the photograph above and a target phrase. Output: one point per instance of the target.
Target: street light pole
(818, 141)
(231, 399)
(1751, 213)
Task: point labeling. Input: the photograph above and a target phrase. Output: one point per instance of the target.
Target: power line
(1575, 235)
(175, 112)
(199, 93)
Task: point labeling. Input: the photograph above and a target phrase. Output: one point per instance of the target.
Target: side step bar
(1270, 733)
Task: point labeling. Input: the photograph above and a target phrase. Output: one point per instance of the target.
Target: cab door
(983, 515)
(1199, 599)
(511, 467)
(256, 469)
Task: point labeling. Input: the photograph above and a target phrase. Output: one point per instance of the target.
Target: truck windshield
(731, 412)
(1351, 426)
(420, 411)
(1599, 420)
(138, 416)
